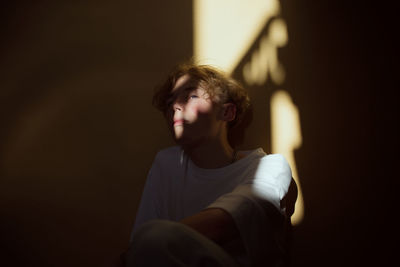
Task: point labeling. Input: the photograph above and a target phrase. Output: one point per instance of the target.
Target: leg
(166, 243)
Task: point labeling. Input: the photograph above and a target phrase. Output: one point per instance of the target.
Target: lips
(178, 122)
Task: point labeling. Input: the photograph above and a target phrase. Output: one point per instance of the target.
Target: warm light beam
(224, 30)
(286, 138)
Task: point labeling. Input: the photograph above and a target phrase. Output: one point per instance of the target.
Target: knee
(155, 234)
(152, 240)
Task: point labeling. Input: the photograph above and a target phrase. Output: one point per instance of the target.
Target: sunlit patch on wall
(286, 138)
(224, 31)
(264, 61)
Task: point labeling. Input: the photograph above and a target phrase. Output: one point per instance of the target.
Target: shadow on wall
(261, 90)
(257, 132)
(78, 132)
(335, 61)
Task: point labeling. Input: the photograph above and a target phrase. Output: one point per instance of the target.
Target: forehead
(184, 86)
(184, 82)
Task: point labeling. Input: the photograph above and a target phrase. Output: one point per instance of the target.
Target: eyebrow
(189, 88)
(183, 89)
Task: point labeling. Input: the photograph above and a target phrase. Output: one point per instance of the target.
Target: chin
(181, 141)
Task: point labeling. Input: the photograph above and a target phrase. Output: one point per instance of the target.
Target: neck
(211, 154)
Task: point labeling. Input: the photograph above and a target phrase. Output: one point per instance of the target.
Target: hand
(214, 223)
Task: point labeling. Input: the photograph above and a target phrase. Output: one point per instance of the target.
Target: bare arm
(214, 223)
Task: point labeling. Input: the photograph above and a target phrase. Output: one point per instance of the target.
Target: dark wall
(78, 133)
(340, 62)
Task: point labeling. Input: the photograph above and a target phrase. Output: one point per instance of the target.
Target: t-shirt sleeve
(255, 207)
(149, 207)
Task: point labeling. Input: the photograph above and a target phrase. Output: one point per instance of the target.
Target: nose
(177, 107)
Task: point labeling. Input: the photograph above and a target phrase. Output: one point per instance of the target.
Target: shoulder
(275, 159)
(276, 167)
(262, 158)
(275, 163)
(168, 153)
(168, 157)
(165, 162)
(264, 164)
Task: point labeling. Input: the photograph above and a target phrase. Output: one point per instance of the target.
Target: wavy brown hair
(220, 87)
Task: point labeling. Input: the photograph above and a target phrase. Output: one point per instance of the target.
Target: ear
(228, 112)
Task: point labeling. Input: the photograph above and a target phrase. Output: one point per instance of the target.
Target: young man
(204, 203)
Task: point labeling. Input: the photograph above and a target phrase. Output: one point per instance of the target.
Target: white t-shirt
(250, 189)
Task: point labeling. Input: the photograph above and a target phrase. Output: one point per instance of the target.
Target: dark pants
(167, 243)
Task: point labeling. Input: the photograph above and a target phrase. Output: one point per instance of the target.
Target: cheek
(201, 107)
(198, 111)
(192, 111)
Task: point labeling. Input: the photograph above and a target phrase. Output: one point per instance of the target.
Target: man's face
(193, 117)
